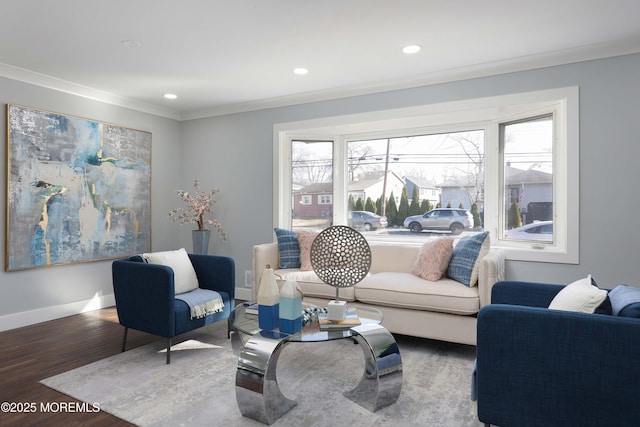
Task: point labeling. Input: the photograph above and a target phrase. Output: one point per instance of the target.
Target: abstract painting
(78, 190)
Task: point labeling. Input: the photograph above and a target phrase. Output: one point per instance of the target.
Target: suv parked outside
(441, 219)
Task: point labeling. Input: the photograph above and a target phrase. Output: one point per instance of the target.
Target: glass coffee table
(257, 391)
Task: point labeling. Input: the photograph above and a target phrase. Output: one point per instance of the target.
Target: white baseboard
(31, 317)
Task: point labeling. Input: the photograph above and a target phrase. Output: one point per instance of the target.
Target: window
(508, 161)
(324, 199)
(311, 183)
(392, 173)
(527, 147)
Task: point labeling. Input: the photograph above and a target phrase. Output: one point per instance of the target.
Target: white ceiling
(223, 56)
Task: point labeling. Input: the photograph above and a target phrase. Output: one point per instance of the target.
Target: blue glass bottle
(290, 308)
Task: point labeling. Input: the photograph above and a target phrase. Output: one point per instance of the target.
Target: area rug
(198, 387)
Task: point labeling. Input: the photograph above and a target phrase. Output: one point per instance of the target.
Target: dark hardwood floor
(32, 353)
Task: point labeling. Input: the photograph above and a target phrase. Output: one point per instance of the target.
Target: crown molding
(54, 83)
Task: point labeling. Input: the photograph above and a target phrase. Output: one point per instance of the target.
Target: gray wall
(30, 296)
(235, 152)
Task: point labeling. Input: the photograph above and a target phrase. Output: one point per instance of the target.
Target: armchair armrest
(145, 295)
(491, 270)
(524, 293)
(537, 367)
(217, 273)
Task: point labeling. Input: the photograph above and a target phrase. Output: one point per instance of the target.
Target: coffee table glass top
(246, 323)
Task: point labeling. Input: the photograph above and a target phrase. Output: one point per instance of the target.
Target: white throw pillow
(184, 276)
(580, 296)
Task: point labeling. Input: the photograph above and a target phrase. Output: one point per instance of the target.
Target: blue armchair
(145, 295)
(541, 367)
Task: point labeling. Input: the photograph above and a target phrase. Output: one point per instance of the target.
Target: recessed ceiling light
(131, 43)
(300, 71)
(170, 96)
(414, 48)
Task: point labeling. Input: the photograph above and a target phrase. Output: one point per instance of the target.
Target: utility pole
(384, 182)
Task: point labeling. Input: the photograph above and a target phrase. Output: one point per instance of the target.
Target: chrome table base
(257, 391)
(381, 382)
(259, 396)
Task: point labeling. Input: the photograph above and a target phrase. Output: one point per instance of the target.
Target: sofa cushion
(433, 259)
(288, 248)
(392, 258)
(184, 275)
(305, 240)
(581, 296)
(322, 290)
(632, 310)
(408, 291)
(467, 254)
(311, 285)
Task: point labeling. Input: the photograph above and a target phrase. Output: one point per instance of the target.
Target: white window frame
(477, 113)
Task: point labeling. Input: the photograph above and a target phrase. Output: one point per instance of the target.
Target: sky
(435, 157)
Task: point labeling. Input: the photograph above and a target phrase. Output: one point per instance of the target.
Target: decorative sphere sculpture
(340, 256)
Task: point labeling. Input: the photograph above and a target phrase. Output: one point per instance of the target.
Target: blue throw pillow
(288, 248)
(625, 301)
(465, 254)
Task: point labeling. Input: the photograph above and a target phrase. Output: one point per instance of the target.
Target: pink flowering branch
(199, 205)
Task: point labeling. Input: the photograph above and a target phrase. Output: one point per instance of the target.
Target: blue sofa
(145, 295)
(539, 367)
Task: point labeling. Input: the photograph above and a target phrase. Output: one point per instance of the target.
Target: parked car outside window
(366, 221)
(541, 231)
(441, 219)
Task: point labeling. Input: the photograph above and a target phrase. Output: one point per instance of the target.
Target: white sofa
(444, 310)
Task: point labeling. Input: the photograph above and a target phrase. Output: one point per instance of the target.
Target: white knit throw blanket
(202, 302)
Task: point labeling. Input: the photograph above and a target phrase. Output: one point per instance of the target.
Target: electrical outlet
(248, 279)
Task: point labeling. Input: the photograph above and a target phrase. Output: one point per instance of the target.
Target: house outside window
(310, 178)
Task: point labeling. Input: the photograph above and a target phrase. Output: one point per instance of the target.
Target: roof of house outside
(360, 185)
(421, 182)
(318, 187)
(513, 176)
(371, 179)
